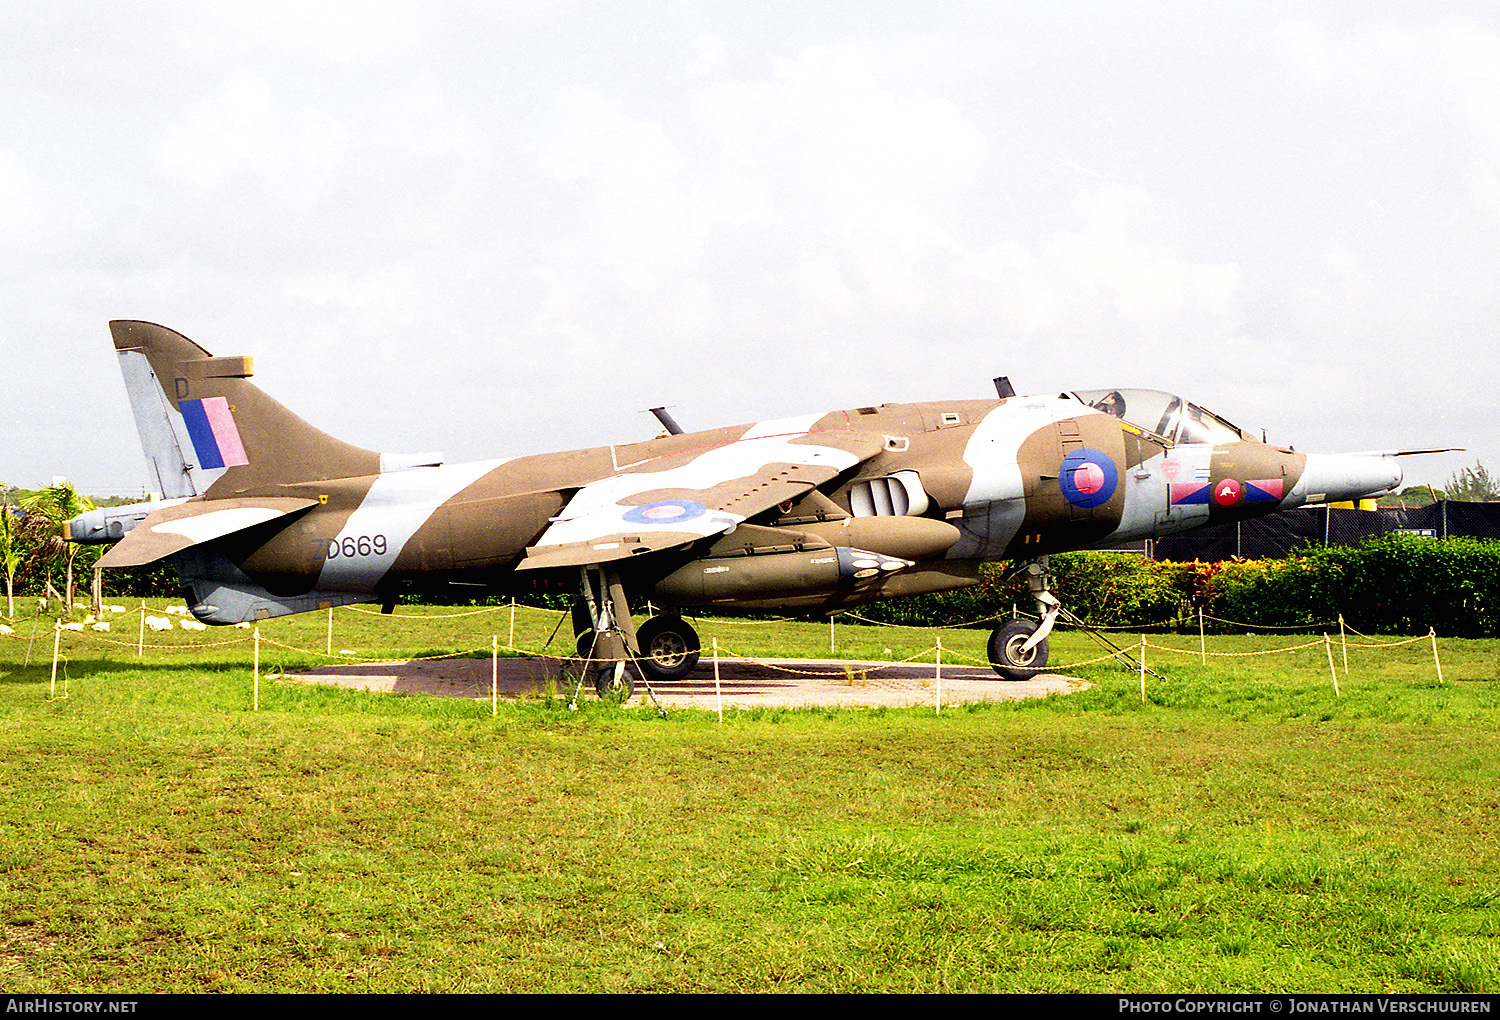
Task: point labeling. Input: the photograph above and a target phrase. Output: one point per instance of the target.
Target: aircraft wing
(641, 510)
(183, 525)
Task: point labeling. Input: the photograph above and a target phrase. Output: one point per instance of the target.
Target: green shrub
(1105, 589)
(1118, 589)
(1389, 585)
(1405, 585)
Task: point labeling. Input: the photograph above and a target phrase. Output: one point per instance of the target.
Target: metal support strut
(1039, 579)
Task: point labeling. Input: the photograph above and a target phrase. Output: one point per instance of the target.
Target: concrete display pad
(791, 683)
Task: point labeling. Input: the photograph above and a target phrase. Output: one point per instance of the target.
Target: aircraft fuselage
(1013, 479)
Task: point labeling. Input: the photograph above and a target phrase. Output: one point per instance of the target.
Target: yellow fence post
(1143, 669)
(1328, 647)
(56, 640)
(718, 693)
(938, 706)
(1432, 633)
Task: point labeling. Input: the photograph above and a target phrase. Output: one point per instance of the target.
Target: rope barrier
(932, 653)
(934, 626)
(1386, 644)
(1234, 655)
(1134, 628)
(1179, 622)
(1272, 626)
(192, 646)
(353, 658)
(440, 616)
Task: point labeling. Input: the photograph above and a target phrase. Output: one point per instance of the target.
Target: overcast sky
(502, 228)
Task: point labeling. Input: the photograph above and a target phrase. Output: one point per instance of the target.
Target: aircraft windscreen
(1170, 417)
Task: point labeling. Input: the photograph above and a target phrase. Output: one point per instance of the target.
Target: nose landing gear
(1018, 648)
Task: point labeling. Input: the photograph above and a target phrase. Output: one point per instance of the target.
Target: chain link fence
(1280, 534)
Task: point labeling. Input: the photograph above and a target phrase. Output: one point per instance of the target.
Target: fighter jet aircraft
(264, 515)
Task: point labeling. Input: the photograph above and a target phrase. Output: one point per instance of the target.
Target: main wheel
(1007, 656)
(669, 648)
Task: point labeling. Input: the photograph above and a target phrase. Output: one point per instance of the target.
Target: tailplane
(207, 430)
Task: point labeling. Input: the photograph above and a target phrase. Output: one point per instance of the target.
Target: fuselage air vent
(897, 495)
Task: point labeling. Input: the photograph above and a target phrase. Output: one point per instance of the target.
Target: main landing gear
(665, 648)
(1018, 648)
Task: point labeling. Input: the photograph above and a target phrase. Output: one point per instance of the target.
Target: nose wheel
(1009, 652)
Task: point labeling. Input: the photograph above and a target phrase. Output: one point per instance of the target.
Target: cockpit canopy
(1163, 415)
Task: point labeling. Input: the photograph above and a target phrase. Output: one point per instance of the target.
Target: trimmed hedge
(1390, 585)
(1105, 589)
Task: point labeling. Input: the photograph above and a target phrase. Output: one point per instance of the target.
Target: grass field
(1243, 829)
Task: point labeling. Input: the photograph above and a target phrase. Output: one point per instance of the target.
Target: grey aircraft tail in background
(263, 515)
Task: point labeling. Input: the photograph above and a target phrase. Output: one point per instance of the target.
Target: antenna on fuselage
(668, 422)
(1003, 387)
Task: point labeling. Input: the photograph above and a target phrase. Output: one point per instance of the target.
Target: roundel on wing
(1088, 478)
(665, 511)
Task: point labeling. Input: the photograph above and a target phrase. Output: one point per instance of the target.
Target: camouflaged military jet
(263, 515)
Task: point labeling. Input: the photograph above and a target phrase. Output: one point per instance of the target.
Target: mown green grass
(1242, 829)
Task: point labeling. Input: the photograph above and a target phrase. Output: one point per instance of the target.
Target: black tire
(1005, 651)
(669, 648)
(606, 687)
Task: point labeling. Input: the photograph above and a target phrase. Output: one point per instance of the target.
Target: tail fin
(207, 430)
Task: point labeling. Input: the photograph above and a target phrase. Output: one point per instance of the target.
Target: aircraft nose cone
(1335, 477)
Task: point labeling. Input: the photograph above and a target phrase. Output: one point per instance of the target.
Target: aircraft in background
(263, 515)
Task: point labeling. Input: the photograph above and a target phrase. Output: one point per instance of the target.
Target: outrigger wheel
(1008, 652)
(669, 648)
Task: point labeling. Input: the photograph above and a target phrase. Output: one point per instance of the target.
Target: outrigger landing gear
(1018, 648)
